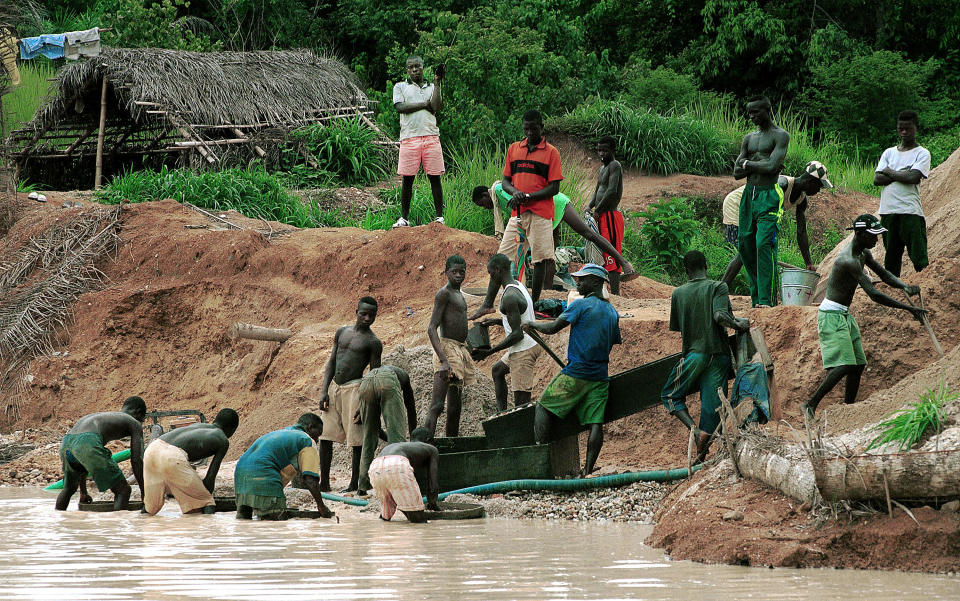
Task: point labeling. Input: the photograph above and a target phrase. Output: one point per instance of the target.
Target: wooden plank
(98, 174)
(460, 470)
(631, 391)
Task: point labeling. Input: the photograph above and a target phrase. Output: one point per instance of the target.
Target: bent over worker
(167, 469)
(384, 392)
(700, 310)
(394, 480)
(583, 385)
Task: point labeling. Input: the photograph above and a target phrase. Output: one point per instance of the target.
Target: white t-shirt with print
(899, 198)
(418, 123)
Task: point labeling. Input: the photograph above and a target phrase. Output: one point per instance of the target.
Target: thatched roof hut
(173, 107)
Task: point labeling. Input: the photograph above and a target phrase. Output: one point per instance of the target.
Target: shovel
(543, 343)
(926, 322)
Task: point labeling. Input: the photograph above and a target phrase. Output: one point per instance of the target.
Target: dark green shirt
(692, 306)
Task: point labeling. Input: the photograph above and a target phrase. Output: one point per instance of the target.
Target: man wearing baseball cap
(583, 385)
(796, 191)
(840, 346)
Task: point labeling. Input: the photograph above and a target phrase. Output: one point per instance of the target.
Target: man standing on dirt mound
(899, 173)
(760, 161)
(605, 206)
(418, 103)
(700, 310)
(453, 367)
(796, 191)
(83, 453)
(584, 384)
(840, 345)
(354, 348)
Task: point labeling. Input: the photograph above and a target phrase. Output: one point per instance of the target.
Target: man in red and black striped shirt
(531, 175)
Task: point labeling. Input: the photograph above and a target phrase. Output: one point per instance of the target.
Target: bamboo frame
(98, 176)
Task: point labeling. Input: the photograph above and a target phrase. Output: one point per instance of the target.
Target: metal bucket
(797, 296)
(797, 285)
(478, 337)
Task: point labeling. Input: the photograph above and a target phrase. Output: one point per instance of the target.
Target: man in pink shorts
(418, 102)
(394, 481)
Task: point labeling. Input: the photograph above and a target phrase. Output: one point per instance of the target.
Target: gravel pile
(634, 503)
(29, 458)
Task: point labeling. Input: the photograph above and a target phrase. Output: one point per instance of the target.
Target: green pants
(697, 371)
(840, 342)
(904, 232)
(760, 210)
(83, 454)
(380, 397)
(588, 398)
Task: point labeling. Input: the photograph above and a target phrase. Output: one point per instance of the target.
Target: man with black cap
(840, 345)
(583, 385)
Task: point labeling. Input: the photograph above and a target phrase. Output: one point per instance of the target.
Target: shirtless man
(83, 453)
(840, 346)
(452, 365)
(167, 469)
(760, 161)
(605, 203)
(394, 480)
(354, 348)
(516, 307)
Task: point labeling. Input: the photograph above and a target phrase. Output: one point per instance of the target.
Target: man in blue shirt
(582, 385)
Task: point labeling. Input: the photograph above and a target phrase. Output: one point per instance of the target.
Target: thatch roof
(215, 88)
(166, 106)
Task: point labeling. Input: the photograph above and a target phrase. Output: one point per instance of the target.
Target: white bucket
(796, 295)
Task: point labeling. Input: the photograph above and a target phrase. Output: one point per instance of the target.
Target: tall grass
(253, 193)
(344, 152)
(649, 141)
(22, 103)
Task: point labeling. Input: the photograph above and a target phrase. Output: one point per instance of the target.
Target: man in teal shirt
(269, 465)
(700, 310)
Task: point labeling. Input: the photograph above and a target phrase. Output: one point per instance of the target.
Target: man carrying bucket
(796, 191)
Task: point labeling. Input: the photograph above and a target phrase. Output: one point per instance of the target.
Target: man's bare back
(199, 440)
(110, 425)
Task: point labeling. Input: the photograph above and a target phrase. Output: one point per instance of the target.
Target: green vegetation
(254, 193)
(343, 151)
(20, 105)
(908, 425)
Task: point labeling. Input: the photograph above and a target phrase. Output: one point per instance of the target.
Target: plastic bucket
(796, 295)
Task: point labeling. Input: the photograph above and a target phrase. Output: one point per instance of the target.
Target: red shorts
(424, 150)
(611, 228)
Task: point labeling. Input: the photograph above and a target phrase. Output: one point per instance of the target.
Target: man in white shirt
(899, 173)
(418, 102)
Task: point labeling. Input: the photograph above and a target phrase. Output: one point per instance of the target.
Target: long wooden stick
(539, 340)
(926, 324)
(97, 178)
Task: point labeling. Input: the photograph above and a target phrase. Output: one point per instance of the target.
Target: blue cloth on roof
(751, 383)
(594, 329)
(49, 45)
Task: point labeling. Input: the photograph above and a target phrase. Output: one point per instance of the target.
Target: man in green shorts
(272, 462)
(83, 453)
(583, 385)
(840, 344)
(384, 392)
(761, 206)
(700, 310)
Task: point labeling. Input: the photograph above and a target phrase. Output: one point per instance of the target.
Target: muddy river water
(45, 554)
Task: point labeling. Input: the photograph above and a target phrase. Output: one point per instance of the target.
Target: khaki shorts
(337, 420)
(521, 364)
(167, 469)
(461, 363)
(537, 231)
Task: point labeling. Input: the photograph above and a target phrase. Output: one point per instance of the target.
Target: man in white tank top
(516, 308)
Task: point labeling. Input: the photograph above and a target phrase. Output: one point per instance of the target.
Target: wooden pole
(926, 324)
(103, 121)
(252, 332)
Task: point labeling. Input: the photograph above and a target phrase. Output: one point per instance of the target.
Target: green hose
(118, 457)
(572, 485)
(575, 484)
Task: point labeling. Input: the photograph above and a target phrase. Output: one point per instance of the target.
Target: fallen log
(907, 475)
(792, 477)
(252, 332)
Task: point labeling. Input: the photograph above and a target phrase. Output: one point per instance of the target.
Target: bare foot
(348, 489)
(325, 487)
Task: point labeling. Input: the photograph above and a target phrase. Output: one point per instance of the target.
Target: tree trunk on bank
(252, 332)
(792, 477)
(908, 476)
